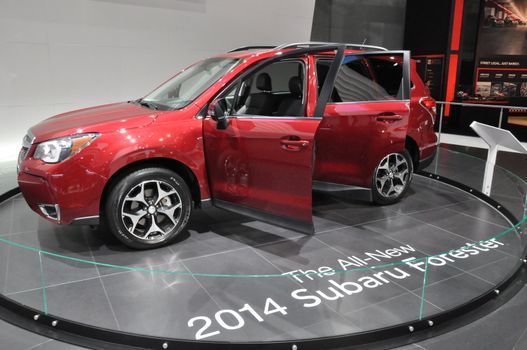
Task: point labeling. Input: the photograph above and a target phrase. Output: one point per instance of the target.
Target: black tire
(120, 207)
(383, 195)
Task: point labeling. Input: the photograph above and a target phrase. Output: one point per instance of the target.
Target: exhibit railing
(501, 108)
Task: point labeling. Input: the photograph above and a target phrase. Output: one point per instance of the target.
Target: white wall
(59, 55)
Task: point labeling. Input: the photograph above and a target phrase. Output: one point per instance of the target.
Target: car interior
(279, 88)
(276, 90)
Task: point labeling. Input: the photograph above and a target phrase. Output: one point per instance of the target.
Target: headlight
(57, 150)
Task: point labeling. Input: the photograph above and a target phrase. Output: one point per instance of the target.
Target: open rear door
(365, 110)
(262, 165)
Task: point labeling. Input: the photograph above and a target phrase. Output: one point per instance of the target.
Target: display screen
(501, 57)
(501, 65)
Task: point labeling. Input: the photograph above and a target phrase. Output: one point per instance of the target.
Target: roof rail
(320, 43)
(309, 44)
(243, 48)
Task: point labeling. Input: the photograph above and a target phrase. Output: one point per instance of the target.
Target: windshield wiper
(147, 104)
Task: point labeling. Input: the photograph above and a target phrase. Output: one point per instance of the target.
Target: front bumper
(36, 192)
(62, 194)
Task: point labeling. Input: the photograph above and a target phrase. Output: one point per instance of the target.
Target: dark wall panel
(380, 22)
(427, 26)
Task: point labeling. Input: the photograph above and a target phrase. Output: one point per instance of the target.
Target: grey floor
(14, 338)
(504, 329)
(433, 218)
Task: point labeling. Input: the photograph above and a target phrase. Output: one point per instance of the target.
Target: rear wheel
(392, 178)
(148, 208)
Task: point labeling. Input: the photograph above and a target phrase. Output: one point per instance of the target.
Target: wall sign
(501, 57)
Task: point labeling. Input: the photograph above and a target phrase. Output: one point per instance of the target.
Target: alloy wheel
(392, 176)
(151, 210)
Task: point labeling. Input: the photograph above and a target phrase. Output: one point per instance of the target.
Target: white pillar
(489, 169)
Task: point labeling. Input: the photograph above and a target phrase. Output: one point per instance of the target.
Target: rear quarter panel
(421, 123)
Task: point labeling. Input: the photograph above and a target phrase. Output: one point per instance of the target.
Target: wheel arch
(412, 148)
(159, 162)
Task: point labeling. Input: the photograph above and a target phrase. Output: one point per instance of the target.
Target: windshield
(181, 90)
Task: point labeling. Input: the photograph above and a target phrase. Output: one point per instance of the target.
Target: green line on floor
(43, 283)
(425, 281)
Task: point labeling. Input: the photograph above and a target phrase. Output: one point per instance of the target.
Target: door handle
(388, 117)
(293, 143)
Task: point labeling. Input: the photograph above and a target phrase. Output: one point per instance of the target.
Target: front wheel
(148, 208)
(392, 178)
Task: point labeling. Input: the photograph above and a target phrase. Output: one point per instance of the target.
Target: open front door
(262, 168)
(259, 143)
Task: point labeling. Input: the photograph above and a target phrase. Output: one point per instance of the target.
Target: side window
(364, 78)
(388, 71)
(275, 90)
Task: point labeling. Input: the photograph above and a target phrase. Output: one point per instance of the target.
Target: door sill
(357, 192)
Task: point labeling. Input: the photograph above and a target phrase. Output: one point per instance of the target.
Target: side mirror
(218, 112)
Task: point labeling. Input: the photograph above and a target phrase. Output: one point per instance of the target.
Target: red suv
(252, 131)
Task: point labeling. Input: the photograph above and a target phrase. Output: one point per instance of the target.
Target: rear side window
(364, 78)
(388, 73)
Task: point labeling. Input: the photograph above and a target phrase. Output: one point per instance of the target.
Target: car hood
(103, 119)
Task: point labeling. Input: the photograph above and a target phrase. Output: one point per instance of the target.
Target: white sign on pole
(495, 138)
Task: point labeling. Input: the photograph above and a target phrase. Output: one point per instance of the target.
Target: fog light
(51, 211)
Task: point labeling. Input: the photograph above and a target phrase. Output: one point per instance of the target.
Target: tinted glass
(364, 78)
